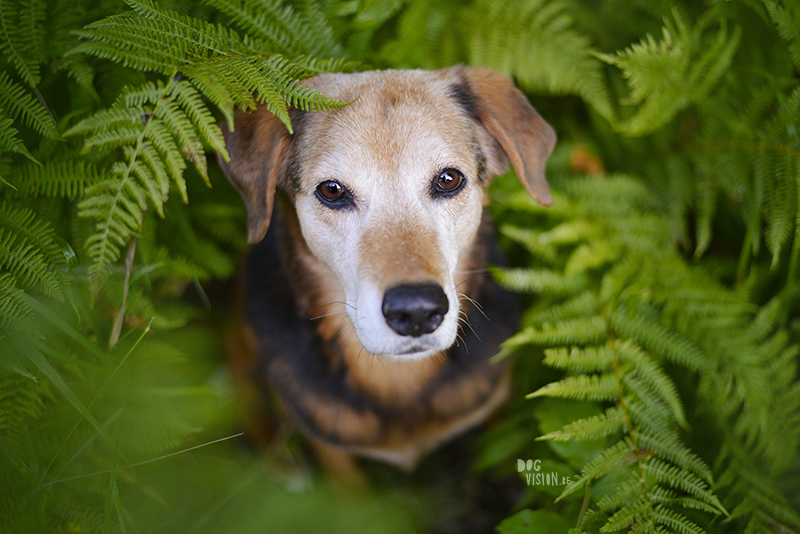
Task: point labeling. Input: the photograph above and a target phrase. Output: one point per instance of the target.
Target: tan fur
(386, 149)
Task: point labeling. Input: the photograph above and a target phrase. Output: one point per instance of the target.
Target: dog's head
(389, 189)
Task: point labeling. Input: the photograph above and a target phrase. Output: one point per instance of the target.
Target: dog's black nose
(414, 310)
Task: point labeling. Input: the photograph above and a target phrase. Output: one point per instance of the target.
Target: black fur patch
(292, 357)
(464, 97)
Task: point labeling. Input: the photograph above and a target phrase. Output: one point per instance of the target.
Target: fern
(666, 76)
(161, 124)
(531, 40)
(639, 310)
(30, 251)
(288, 30)
(685, 362)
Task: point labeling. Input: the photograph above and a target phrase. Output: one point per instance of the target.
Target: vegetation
(656, 367)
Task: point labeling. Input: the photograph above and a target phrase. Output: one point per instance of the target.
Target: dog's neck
(321, 297)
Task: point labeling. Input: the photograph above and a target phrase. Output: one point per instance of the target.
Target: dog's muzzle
(415, 310)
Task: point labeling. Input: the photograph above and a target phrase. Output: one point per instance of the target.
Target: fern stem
(744, 257)
(585, 505)
(45, 106)
(612, 343)
(131, 162)
(115, 332)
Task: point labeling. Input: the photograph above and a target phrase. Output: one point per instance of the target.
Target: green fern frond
(582, 305)
(529, 238)
(579, 360)
(18, 37)
(595, 427)
(620, 455)
(679, 479)
(666, 76)
(786, 18)
(532, 40)
(15, 310)
(16, 101)
(648, 307)
(63, 179)
(590, 256)
(542, 281)
(658, 339)
(30, 251)
(581, 331)
(631, 490)
(652, 375)
(603, 387)
(159, 125)
(9, 142)
(289, 30)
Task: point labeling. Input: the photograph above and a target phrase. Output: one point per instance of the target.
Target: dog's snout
(415, 310)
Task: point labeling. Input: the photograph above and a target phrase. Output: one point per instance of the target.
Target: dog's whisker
(472, 271)
(322, 316)
(475, 303)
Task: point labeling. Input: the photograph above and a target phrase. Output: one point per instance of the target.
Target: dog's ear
(507, 116)
(257, 147)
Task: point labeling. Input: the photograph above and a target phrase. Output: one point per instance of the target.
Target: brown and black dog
(367, 301)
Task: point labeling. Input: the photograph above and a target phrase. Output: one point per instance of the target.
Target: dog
(366, 296)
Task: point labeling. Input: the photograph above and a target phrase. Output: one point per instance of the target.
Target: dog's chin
(406, 349)
(411, 354)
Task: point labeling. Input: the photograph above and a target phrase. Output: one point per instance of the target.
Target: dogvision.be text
(538, 478)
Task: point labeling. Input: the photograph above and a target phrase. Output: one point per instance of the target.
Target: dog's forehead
(396, 118)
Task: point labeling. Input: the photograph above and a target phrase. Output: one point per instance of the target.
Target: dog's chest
(343, 396)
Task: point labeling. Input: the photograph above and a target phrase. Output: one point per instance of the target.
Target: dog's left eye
(448, 182)
(333, 194)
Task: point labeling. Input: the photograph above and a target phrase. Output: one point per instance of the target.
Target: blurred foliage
(659, 350)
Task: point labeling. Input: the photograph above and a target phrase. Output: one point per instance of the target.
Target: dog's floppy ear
(257, 146)
(507, 115)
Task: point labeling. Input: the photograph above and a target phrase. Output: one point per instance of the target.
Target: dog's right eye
(333, 194)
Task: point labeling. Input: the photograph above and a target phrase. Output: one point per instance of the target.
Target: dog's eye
(332, 193)
(449, 182)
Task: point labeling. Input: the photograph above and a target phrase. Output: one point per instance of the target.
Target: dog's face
(389, 190)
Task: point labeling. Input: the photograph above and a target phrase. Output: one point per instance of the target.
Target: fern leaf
(590, 428)
(181, 128)
(639, 511)
(30, 251)
(664, 77)
(582, 305)
(580, 360)
(584, 387)
(650, 373)
(191, 102)
(283, 28)
(659, 339)
(671, 475)
(531, 41)
(620, 455)
(591, 256)
(529, 239)
(55, 179)
(582, 331)
(13, 45)
(542, 281)
(15, 310)
(629, 491)
(669, 447)
(787, 19)
(670, 498)
(16, 101)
